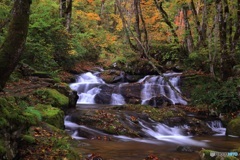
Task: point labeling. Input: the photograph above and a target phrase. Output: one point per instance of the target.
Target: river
(158, 139)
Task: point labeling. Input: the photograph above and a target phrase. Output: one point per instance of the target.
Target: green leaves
(220, 95)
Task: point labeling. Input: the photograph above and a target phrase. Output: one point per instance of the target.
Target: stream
(153, 138)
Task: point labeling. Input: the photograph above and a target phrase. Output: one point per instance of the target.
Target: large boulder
(112, 76)
(131, 92)
(51, 115)
(53, 97)
(233, 127)
(159, 101)
(104, 97)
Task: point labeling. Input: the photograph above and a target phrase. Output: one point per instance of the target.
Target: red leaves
(94, 157)
(151, 157)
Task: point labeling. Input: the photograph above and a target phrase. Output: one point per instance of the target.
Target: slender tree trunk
(68, 15)
(226, 60)
(200, 27)
(62, 8)
(188, 34)
(65, 11)
(12, 48)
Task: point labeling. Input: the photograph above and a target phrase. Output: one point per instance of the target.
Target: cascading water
(92, 89)
(88, 85)
(217, 127)
(155, 86)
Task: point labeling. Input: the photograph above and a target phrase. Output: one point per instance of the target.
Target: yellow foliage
(93, 16)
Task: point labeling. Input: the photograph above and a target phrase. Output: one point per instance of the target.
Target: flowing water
(160, 139)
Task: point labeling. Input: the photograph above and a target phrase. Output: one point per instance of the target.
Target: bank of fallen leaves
(48, 145)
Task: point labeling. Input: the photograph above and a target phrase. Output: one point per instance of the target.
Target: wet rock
(184, 149)
(198, 127)
(131, 92)
(112, 76)
(64, 89)
(104, 97)
(159, 101)
(133, 78)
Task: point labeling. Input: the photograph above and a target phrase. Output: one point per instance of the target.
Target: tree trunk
(188, 34)
(68, 15)
(227, 62)
(166, 20)
(12, 48)
(62, 8)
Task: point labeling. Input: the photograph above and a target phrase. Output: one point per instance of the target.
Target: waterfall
(163, 132)
(92, 89)
(87, 86)
(117, 99)
(155, 86)
(216, 126)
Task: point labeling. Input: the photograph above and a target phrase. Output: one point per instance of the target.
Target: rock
(133, 78)
(184, 149)
(233, 127)
(14, 121)
(41, 74)
(53, 97)
(112, 76)
(131, 92)
(104, 97)
(51, 115)
(64, 89)
(159, 101)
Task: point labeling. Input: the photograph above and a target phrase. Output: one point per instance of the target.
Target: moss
(29, 139)
(155, 113)
(53, 97)
(2, 148)
(13, 115)
(33, 111)
(51, 115)
(233, 127)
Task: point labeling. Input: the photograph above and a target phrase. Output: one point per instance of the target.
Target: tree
(65, 8)
(12, 48)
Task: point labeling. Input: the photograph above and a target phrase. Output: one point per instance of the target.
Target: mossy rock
(28, 139)
(51, 115)
(14, 116)
(53, 97)
(233, 127)
(156, 114)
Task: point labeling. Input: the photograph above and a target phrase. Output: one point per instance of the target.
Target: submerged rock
(184, 149)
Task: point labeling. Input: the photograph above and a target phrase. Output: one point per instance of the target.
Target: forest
(58, 39)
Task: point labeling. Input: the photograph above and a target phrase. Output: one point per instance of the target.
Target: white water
(88, 86)
(155, 86)
(217, 127)
(171, 134)
(156, 135)
(117, 99)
